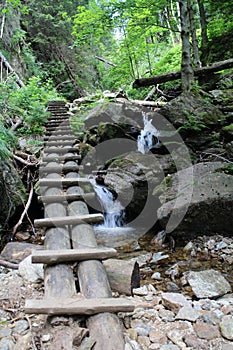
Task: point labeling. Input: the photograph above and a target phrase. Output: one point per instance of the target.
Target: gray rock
(169, 347)
(6, 344)
(20, 326)
(174, 301)
(196, 200)
(17, 251)
(187, 313)
(208, 284)
(226, 327)
(31, 272)
(5, 332)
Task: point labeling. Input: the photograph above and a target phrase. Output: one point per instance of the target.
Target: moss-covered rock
(191, 112)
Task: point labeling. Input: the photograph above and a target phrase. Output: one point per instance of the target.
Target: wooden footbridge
(70, 238)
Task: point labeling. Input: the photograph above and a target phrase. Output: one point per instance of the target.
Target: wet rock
(226, 327)
(174, 301)
(31, 272)
(199, 198)
(17, 251)
(187, 313)
(208, 283)
(206, 330)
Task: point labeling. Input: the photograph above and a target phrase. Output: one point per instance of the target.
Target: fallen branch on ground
(24, 212)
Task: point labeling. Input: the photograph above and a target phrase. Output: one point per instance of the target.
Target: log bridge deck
(69, 237)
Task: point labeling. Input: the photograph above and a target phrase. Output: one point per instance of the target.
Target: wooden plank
(72, 306)
(68, 220)
(59, 168)
(60, 150)
(60, 158)
(66, 197)
(68, 255)
(60, 143)
(64, 182)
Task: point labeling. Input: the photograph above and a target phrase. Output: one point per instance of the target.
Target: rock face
(11, 191)
(208, 284)
(201, 195)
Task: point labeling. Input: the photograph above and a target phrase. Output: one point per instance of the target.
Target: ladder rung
(60, 150)
(60, 158)
(68, 220)
(72, 306)
(64, 182)
(66, 198)
(60, 169)
(71, 255)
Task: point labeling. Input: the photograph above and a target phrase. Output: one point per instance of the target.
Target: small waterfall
(148, 137)
(114, 214)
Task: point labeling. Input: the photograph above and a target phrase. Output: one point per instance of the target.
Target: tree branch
(24, 212)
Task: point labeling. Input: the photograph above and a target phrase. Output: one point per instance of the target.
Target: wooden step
(66, 198)
(60, 149)
(59, 143)
(62, 169)
(69, 220)
(57, 131)
(72, 306)
(63, 182)
(71, 255)
(51, 158)
(59, 138)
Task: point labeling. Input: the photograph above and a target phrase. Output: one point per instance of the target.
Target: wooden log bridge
(70, 245)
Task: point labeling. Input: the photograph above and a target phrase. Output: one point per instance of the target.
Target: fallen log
(163, 78)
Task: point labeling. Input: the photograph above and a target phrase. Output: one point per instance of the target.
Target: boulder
(208, 283)
(133, 180)
(189, 108)
(197, 200)
(17, 251)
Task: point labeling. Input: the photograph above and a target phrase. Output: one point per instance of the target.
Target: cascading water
(114, 214)
(148, 137)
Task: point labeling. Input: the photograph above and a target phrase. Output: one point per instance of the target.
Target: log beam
(163, 78)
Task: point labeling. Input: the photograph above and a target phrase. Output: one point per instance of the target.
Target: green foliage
(7, 142)
(229, 169)
(192, 123)
(27, 104)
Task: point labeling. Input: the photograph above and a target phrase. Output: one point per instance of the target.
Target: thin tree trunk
(204, 36)
(167, 15)
(10, 69)
(196, 58)
(187, 75)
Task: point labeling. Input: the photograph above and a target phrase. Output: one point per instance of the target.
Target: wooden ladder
(69, 238)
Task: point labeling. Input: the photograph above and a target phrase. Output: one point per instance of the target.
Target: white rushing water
(148, 137)
(113, 211)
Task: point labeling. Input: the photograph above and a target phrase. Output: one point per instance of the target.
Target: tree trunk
(204, 37)
(196, 58)
(187, 75)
